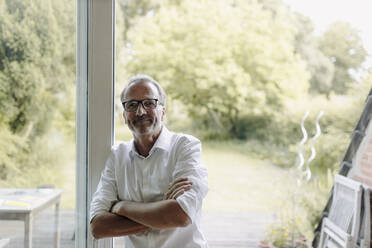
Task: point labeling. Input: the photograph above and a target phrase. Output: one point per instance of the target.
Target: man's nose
(140, 110)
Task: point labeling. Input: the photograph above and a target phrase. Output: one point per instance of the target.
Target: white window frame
(94, 106)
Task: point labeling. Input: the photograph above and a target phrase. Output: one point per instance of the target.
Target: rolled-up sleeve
(189, 164)
(106, 193)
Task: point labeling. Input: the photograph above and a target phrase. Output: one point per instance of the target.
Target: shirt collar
(163, 142)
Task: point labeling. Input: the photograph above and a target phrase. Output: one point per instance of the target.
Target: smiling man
(152, 188)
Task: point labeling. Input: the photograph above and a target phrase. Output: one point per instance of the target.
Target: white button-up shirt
(132, 177)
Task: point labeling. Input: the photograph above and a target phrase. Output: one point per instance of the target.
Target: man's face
(144, 122)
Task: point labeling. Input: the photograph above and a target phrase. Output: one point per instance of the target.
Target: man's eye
(149, 103)
(132, 105)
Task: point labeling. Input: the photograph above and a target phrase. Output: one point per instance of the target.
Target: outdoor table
(3, 242)
(24, 204)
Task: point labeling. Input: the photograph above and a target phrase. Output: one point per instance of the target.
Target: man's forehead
(141, 89)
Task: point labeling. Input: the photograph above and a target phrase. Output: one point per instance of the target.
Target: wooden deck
(221, 229)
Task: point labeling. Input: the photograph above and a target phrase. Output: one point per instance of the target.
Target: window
(95, 89)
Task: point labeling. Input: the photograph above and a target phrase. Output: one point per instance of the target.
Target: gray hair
(147, 79)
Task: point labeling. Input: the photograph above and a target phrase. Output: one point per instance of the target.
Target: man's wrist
(119, 208)
(114, 207)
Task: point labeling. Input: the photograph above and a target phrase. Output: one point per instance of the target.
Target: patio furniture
(24, 204)
(365, 230)
(341, 227)
(3, 242)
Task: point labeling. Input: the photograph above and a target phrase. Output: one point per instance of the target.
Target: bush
(34, 164)
(330, 149)
(337, 124)
(341, 114)
(297, 221)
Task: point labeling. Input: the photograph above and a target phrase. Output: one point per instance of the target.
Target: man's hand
(163, 214)
(178, 187)
(115, 207)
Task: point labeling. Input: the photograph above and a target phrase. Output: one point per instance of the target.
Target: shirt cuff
(189, 205)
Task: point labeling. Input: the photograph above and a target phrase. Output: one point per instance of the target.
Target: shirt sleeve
(107, 192)
(189, 165)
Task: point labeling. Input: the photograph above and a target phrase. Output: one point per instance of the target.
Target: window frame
(95, 55)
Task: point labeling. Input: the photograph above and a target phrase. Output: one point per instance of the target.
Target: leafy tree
(37, 55)
(319, 65)
(226, 61)
(328, 73)
(342, 44)
(35, 62)
(131, 10)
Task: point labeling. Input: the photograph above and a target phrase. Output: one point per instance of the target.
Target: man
(152, 188)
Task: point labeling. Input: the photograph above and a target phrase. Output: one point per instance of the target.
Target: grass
(240, 182)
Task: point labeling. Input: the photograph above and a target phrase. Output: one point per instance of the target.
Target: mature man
(152, 188)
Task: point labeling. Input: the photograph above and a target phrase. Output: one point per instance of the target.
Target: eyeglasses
(147, 104)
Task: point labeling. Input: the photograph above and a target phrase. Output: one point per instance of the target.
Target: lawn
(240, 182)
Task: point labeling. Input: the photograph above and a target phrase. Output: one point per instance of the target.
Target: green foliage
(333, 58)
(10, 145)
(341, 114)
(318, 64)
(30, 168)
(342, 44)
(131, 10)
(225, 62)
(64, 119)
(337, 124)
(236, 66)
(299, 214)
(35, 63)
(37, 71)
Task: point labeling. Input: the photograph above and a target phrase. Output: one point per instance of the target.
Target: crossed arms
(126, 217)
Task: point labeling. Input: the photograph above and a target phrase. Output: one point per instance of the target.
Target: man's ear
(125, 117)
(163, 113)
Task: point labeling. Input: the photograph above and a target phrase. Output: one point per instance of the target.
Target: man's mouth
(142, 120)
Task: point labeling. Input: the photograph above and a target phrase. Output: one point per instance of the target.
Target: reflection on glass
(37, 123)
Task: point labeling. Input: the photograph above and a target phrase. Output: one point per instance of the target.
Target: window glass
(260, 87)
(37, 122)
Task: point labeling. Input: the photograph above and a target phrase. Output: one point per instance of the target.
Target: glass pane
(37, 123)
(247, 78)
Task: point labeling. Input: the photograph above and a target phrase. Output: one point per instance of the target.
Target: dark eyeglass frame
(140, 102)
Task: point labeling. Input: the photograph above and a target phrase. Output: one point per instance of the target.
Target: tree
(37, 64)
(319, 65)
(131, 10)
(226, 61)
(342, 44)
(320, 52)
